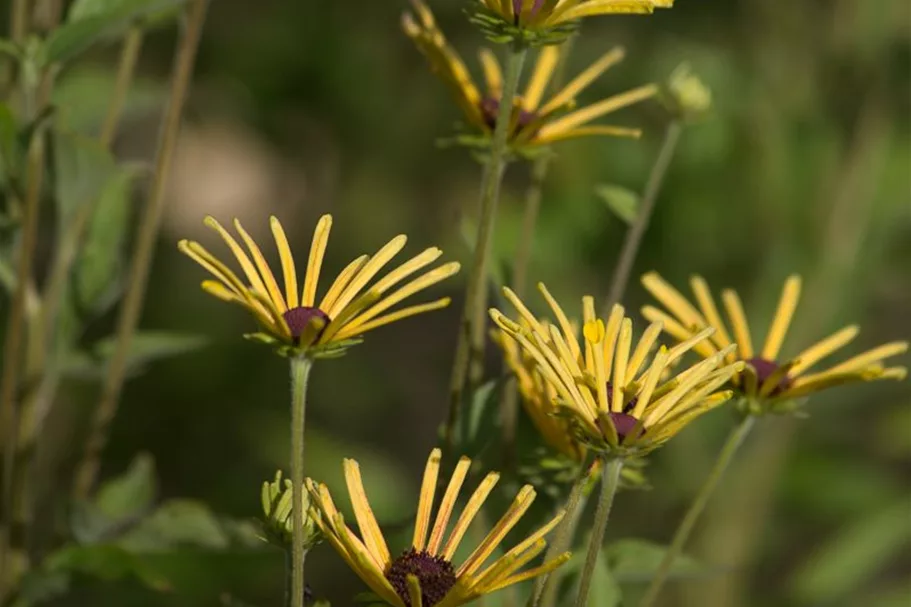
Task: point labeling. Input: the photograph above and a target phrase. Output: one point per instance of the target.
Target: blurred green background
(302, 108)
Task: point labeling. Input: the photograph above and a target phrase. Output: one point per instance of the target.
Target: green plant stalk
(545, 588)
(12, 348)
(131, 307)
(300, 373)
(474, 310)
(610, 480)
(725, 457)
(129, 55)
(19, 20)
(633, 239)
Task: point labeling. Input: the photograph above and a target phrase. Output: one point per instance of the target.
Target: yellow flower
(538, 397)
(424, 574)
(536, 123)
(617, 404)
(549, 21)
(766, 376)
(348, 309)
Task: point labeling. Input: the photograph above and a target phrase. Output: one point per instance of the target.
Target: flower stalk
(470, 342)
(610, 480)
(129, 55)
(633, 239)
(545, 589)
(300, 373)
(184, 61)
(725, 457)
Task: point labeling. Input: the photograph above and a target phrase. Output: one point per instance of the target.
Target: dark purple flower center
(299, 319)
(517, 8)
(490, 109)
(764, 369)
(435, 574)
(624, 424)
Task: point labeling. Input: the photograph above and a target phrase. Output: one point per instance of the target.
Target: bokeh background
(302, 108)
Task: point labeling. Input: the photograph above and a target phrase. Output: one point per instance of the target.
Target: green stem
(636, 231)
(545, 589)
(300, 373)
(129, 54)
(734, 440)
(471, 340)
(13, 351)
(142, 257)
(610, 480)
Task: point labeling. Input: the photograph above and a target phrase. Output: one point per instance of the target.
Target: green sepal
(499, 31)
(335, 349)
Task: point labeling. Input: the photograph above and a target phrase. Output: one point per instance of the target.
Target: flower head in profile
(617, 402)
(351, 306)
(276, 501)
(536, 122)
(767, 381)
(424, 574)
(544, 22)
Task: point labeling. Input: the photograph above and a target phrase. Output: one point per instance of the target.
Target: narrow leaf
(622, 202)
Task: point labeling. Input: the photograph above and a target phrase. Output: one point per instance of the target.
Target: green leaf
(479, 419)
(100, 263)
(95, 21)
(106, 562)
(130, 494)
(176, 522)
(145, 347)
(604, 591)
(118, 503)
(10, 150)
(854, 556)
(634, 560)
(82, 169)
(622, 202)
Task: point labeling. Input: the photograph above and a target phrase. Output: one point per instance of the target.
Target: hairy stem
(474, 311)
(730, 448)
(630, 251)
(610, 480)
(545, 589)
(300, 373)
(129, 54)
(142, 255)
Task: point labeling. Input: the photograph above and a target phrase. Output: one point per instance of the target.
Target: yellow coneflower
(765, 376)
(617, 404)
(537, 397)
(348, 309)
(549, 21)
(424, 574)
(535, 123)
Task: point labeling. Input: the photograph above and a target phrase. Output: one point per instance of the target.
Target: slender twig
(610, 480)
(142, 256)
(630, 251)
(300, 373)
(475, 295)
(12, 346)
(545, 588)
(129, 54)
(19, 16)
(725, 457)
